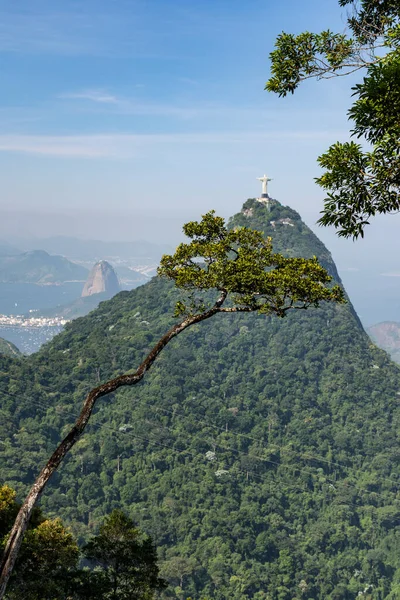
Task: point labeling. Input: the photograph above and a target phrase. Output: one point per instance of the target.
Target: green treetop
(241, 267)
(127, 559)
(359, 182)
(47, 557)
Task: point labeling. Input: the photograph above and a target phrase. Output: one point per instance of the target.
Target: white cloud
(73, 146)
(189, 81)
(130, 106)
(127, 145)
(125, 105)
(94, 95)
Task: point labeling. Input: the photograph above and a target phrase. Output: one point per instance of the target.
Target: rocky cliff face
(102, 280)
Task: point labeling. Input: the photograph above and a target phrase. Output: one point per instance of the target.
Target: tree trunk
(21, 522)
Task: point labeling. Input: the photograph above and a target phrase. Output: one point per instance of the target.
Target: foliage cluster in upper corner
(359, 183)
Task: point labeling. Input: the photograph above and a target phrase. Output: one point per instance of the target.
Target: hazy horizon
(165, 227)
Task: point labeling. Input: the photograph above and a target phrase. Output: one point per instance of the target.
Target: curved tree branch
(22, 520)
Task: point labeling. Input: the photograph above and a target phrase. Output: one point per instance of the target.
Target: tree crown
(359, 183)
(241, 266)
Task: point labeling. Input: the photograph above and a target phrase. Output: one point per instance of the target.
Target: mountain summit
(37, 266)
(102, 280)
(261, 454)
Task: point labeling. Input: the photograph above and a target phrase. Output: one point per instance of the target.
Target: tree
(359, 183)
(124, 560)
(238, 272)
(48, 555)
(44, 565)
(127, 559)
(178, 567)
(8, 509)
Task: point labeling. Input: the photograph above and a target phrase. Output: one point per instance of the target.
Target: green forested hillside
(262, 455)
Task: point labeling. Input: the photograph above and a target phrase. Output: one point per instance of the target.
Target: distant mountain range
(76, 248)
(37, 266)
(130, 276)
(7, 249)
(386, 335)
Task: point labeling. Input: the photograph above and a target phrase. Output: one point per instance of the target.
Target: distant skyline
(124, 119)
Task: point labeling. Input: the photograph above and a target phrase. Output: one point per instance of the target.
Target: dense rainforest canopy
(260, 454)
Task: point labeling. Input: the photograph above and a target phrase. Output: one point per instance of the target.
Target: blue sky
(124, 118)
(156, 108)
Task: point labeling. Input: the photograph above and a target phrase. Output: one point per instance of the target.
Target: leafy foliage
(359, 183)
(261, 455)
(306, 55)
(49, 553)
(241, 262)
(124, 561)
(128, 561)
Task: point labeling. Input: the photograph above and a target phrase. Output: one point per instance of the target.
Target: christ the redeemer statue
(264, 180)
